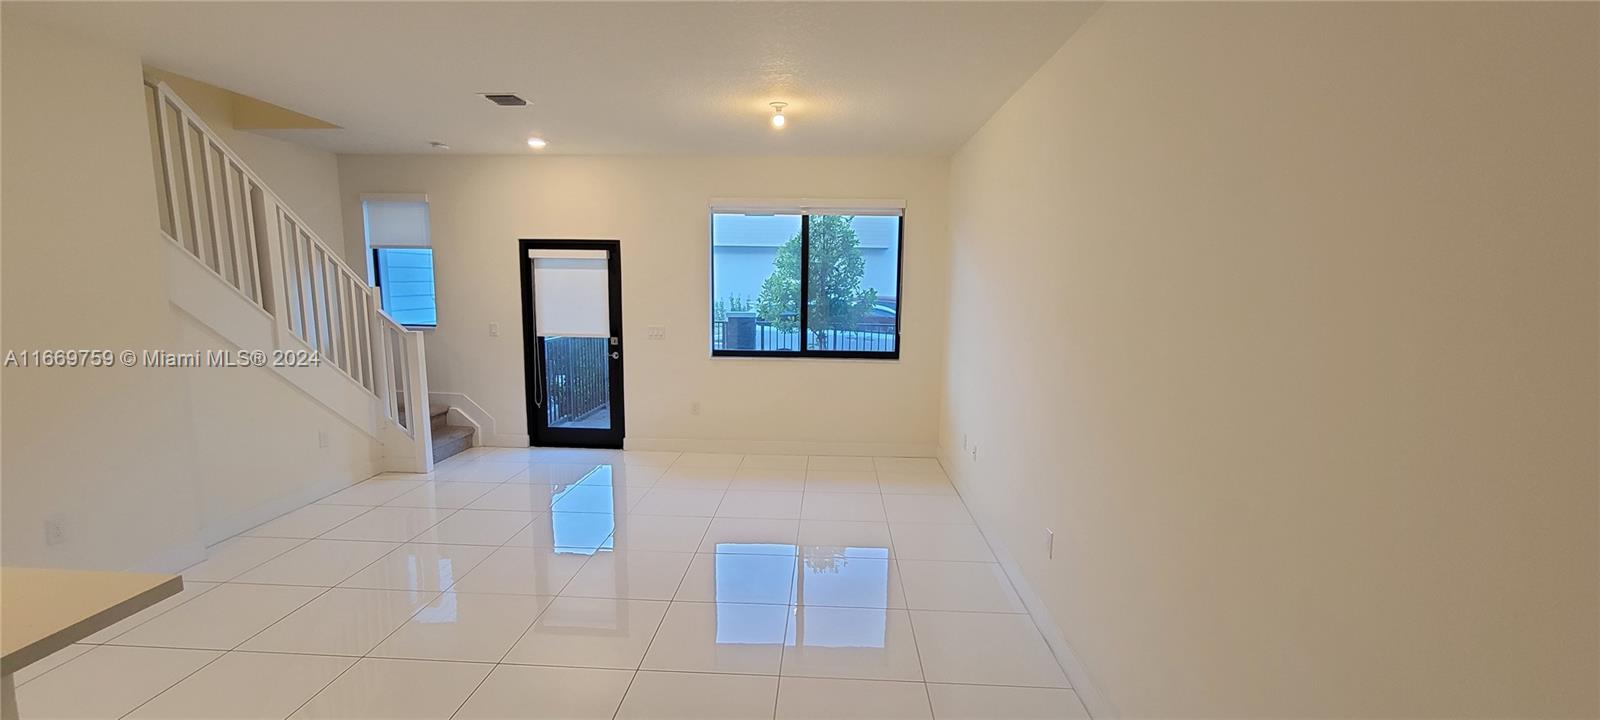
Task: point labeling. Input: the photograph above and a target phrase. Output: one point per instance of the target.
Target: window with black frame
(806, 282)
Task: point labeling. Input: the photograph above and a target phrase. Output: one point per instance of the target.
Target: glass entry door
(572, 341)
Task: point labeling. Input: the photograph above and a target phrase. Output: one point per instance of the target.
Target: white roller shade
(396, 222)
(807, 206)
(571, 293)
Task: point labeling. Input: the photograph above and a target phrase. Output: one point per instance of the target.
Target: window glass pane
(755, 282)
(853, 283)
(405, 284)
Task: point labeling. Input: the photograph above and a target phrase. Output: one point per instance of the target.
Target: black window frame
(804, 305)
(377, 284)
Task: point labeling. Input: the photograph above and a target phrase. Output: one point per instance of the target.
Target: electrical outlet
(1049, 543)
(494, 329)
(657, 332)
(322, 438)
(694, 407)
(55, 530)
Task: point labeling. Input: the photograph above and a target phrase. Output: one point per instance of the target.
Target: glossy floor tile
(319, 562)
(419, 566)
(389, 524)
(969, 586)
(819, 698)
(590, 632)
(380, 689)
(107, 682)
(982, 702)
(632, 574)
(464, 627)
(554, 583)
(720, 637)
(984, 649)
(698, 696)
(307, 522)
(477, 527)
(936, 541)
(341, 621)
(221, 618)
(230, 558)
(858, 643)
(245, 684)
(191, 590)
(547, 693)
(442, 494)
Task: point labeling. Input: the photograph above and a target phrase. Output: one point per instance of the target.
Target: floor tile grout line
(440, 593)
(1031, 619)
(224, 653)
(534, 621)
(274, 623)
(453, 511)
(659, 624)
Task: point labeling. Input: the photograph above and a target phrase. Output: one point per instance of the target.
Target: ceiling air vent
(505, 99)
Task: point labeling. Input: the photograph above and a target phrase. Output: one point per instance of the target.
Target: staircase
(246, 266)
(447, 439)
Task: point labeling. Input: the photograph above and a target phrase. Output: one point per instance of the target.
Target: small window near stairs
(398, 237)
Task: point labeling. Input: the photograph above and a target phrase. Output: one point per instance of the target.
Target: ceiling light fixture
(438, 145)
(777, 114)
(537, 143)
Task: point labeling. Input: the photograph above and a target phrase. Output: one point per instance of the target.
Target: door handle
(616, 355)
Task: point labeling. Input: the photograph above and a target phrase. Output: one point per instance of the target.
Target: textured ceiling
(603, 78)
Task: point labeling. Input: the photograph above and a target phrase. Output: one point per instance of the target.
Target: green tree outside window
(837, 300)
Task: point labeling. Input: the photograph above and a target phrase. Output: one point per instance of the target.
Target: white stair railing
(221, 213)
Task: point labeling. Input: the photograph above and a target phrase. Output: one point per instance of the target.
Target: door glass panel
(577, 378)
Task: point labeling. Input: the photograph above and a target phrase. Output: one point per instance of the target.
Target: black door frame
(533, 359)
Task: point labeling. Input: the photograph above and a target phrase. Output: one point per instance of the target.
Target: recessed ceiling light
(438, 145)
(777, 114)
(537, 143)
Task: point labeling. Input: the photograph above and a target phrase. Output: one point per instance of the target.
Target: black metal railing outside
(577, 377)
(864, 337)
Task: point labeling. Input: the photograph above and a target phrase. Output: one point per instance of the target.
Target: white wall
(658, 208)
(257, 451)
(105, 450)
(1309, 392)
(143, 466)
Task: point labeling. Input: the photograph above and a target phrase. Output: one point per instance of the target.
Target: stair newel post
(417, 401)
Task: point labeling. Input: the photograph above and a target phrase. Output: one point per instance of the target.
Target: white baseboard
(509, 441)
(1093, 700)
(782, 447)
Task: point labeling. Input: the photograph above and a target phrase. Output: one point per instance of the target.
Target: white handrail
(218, 210)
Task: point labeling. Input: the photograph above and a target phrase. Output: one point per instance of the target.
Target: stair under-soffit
(447, 439)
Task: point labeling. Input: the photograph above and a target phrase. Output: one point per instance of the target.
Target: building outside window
(850, 289)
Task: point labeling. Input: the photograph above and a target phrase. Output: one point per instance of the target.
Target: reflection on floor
(547, 583)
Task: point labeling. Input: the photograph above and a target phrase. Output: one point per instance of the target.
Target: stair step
(437, 409)
(449, 440)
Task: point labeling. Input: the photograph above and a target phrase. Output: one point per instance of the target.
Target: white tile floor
(587, 584)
